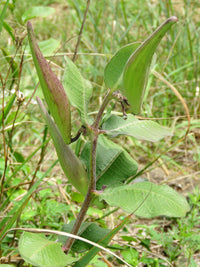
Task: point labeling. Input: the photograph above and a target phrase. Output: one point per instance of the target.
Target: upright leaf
(115, 67)
(139, 129)
(10, 59)
(78, 89)
(9, 29)
(136, 71)
(71, 165)
(52, 88)
(147, 200)
(7, 108)
(3, 14)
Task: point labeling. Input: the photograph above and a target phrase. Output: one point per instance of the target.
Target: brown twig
(92, 185)
(81, 31)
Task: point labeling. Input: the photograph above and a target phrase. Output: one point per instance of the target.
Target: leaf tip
(173, 18)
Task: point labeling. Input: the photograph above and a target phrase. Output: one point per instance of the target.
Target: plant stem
(92, 171)
(101, 110)
(81, 30)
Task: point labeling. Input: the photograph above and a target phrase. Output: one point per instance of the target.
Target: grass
(109, 25)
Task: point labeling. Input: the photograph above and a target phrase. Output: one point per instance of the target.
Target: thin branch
(101, 110)
(81, 31)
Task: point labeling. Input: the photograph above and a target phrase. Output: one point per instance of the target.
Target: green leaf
(48, 47)
(7, 265)
(70, 163)
(147, 200)
(37, 250)
(89, 231)
(78, 89)
(115, 67)
(7, 108)
(9, 29)
(104, 241)
(52, 88)
(7, 222)
(139, 129)
(113, 163)
(136, 71)
(37, 11)
(10, 59)
(3, 14)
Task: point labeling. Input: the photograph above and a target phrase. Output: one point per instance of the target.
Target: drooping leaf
(113, 163)
(78, 89)
(37, 250)
(136, 71)
(115, 67)
(139, 129)
(70, 163)
(53, 90)
(147, 200)
(37, 11)
(88, 230)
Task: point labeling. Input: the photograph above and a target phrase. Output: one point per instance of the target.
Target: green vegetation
(162, 229)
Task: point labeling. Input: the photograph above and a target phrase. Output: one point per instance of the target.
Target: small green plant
(100, 169)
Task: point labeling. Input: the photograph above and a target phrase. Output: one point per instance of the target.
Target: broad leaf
(37, 11)
(147, 200)
(104, 241)
(71, 165)
(37, 250)
(89, 231)
(52, 88)
(115, 67)
(136, 71)
(47, 47)
(139, 129)
(78, 89)
(113, 163)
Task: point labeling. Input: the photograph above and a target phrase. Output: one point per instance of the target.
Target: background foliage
(109, 26)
